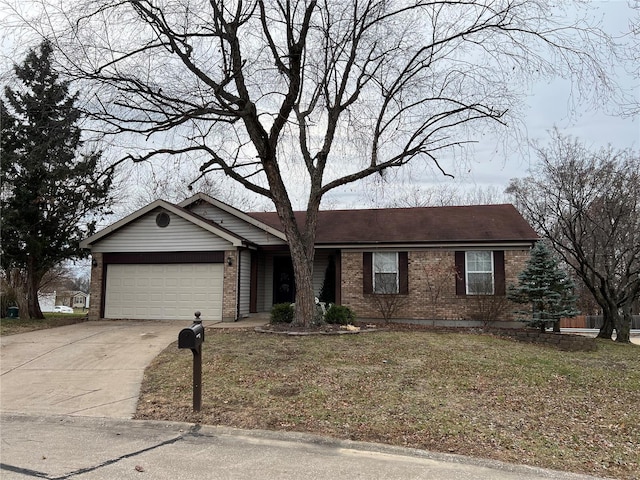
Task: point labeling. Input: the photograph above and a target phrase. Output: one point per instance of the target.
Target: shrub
(282, 313)
(340, 315)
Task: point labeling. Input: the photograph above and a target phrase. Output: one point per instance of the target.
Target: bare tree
(487, 307)
(588, 205)
(631, 56)
(445, 195)
(283, 94)
(387, 301)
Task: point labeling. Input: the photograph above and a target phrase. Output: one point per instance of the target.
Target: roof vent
(163, 219)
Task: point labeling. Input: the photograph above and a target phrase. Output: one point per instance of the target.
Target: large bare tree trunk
(16, 281)
(609, 310)
(305, 299)
(33, 304)
(623, 327)
(25, 286)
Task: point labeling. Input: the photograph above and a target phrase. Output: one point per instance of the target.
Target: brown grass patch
(12, 326)
(450, 392)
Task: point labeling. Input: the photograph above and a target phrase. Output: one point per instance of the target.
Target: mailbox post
(192, 338)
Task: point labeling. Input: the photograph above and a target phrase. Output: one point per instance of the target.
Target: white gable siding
(236, 225)
(244, 299)
(143, 235)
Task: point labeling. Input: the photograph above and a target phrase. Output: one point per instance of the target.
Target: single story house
(75, 299)
(448, 265)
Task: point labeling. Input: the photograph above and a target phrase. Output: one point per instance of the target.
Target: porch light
(229, 260)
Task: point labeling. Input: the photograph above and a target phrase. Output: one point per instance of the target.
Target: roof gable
(181, 212)
(202, 197)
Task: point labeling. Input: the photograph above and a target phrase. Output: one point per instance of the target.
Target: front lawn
(11, 326)
(450, 392)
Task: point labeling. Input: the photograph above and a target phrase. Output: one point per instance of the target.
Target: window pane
(480, 284)
(479, 261)
(385, 283)
(480, 273)
(385, 272)
(385, 262)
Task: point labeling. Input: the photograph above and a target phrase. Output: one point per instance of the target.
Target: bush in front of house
(340, 315)
(282, 313)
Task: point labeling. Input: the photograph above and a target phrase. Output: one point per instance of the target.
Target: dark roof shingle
(478, 223)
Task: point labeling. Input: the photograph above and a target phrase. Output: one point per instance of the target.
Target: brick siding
(432, 287)
(229, 289)
(96, 287)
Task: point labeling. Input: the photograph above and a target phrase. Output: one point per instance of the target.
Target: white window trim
(396, 272)
(467, 272)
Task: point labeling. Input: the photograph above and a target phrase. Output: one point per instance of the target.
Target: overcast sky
(489, 164)
(548, 106)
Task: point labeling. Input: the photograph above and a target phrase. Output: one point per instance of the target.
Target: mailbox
(191, 337)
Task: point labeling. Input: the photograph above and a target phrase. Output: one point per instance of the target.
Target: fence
(593, 321)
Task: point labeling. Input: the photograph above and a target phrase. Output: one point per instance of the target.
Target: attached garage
(165, 262)
(164, 291)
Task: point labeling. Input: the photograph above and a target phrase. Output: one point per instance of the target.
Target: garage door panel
(169, 291)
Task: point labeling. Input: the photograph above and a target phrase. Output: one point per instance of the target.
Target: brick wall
(230, 286)
(96, 287)
(432, 287)
(571, 343)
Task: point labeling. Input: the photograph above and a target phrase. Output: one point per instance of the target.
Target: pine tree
(546, 288)
(49, 189)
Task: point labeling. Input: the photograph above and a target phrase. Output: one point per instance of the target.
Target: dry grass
(11, 326)
(468, 394)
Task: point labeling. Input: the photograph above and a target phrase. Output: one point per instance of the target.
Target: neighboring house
(73, 299)
(442, 264)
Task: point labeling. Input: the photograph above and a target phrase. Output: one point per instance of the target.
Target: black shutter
(367, 272)
(460, 274)
(403, 272)
(498, 272)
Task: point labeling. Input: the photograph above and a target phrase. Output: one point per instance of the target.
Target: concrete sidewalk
(99, 449)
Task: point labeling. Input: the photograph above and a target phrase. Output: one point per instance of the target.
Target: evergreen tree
(49, 189)
(546, 288)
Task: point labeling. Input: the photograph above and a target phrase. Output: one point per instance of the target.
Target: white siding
(143, 235)
(236, 225)
(265, 294)
(262, 276)
(245, 283)
(320, 263)
(164, 291)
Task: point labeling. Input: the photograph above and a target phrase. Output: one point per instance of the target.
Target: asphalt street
(71, 447)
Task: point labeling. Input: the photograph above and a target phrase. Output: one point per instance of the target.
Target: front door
(284, 287)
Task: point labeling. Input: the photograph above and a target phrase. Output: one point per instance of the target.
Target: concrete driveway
(89, 369)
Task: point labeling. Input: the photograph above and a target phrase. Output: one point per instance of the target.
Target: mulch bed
(325, 329)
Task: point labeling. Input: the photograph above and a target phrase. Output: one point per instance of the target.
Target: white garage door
(164, 292)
